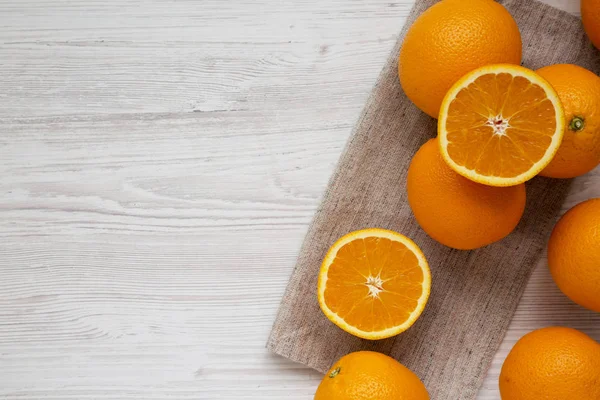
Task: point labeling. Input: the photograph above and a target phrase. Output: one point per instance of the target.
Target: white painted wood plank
(161, 162)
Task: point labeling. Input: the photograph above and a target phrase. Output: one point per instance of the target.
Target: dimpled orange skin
(552, 364)
(450, 39)
(590, 14)
(455, 211)
(579, 92)
(366, 375)
(574, 254)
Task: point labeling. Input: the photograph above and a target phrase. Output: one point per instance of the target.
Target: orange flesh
(500, 125)
(374, 283)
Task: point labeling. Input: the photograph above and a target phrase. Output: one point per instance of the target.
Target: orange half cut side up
(374, 283)
(500, 125)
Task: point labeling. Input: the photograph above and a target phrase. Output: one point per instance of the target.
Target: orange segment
(500, 125)
(374, 283)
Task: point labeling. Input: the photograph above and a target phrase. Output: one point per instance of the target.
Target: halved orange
(374, 283)
(500, 125)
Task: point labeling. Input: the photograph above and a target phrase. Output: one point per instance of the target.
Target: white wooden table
(161, 161)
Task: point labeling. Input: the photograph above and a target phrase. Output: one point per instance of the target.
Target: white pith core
(499, 124)
(375, 285)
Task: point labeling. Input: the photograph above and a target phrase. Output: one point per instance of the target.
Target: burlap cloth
(474, 293)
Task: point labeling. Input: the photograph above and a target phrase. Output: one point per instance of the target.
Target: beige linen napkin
(474, 293)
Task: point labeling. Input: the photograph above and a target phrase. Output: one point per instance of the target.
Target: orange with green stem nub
(579, 92)
(366, 375)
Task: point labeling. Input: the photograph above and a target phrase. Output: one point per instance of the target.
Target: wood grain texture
(161, 162)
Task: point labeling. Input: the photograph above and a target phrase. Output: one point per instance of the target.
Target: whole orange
(448, 40)
(579, 92)
(456, 211)
(590, 14)
(574, 254)
(552, 364)
(366, 375)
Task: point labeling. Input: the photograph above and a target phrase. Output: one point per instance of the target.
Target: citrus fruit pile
(499, 125)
